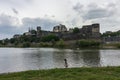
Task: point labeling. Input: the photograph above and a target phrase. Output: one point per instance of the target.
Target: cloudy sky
(16, 16)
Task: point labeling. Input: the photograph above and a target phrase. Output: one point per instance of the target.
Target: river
(22, 59)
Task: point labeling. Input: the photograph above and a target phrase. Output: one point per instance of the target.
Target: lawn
(104, 73)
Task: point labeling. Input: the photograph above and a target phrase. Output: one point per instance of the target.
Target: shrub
(45, 44)
(88, 43)
(76, 30)
(60, 44)
(118, 45)
(49, 38)
(26, 44)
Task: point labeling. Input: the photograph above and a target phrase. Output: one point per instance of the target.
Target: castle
(86, 32)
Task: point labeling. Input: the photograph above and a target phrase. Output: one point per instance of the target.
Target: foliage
(1, 42)
(76, 30)
(13, 40)
(88, 43)
(49, 38)
(60, 44)
(107, 34)
(5, 41)
(45, 44)
(26, 44)
(118, 45)
(33, 32)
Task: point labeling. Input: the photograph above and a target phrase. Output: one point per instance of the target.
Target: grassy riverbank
(105, 73)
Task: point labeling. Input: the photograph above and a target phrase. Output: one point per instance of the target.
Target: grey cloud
(92, 5)
(14, 10)
(94, 11)
(7, 26)
(105, 14)
(45, 23)
(108, 24)
(78, 7)
(98, 13)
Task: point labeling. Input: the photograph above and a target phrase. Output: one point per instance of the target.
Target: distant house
(111, 39)
(16, 36)
(31, 33)
(27, 34)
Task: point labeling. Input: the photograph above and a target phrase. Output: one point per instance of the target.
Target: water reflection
(77, 58)
(39, 59)
(20, 59)
(91, 58)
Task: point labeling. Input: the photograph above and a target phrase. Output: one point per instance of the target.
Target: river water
(22, 59)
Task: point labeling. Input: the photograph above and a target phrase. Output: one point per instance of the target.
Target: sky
(16, 16)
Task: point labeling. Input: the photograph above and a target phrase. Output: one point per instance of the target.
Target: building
(91, 31)
(27, 34)
(31, 32)
(17, 36)
(86, 32)
(60, 28)
(38, 31)
(111, 37)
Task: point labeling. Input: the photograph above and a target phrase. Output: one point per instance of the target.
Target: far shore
(104, 46)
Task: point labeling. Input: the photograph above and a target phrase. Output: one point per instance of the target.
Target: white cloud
(9, 25)
(21, 14)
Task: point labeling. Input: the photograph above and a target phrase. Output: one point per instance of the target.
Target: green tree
(76, 30)
(26, 44)
(88, 43)
(33, 32)
(60, 44)
(49, 38)
(13, 40)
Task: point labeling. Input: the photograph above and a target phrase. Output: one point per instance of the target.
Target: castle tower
(96, 30)
(38, 28)
(39, 31)
(92, 31)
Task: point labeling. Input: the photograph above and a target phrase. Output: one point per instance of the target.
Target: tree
(60, 43)
(33, 32)
(13, 40)
(88, 43)
(49, 38)
(26, 44)
(76, 30)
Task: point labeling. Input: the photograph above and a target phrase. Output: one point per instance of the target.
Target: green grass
(105, 73)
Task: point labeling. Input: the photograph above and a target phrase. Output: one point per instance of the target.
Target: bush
(26, 44)
(45, 44)
(60, 44)
(76, 30)
(49, 38)
(118, 45)
(88, 43)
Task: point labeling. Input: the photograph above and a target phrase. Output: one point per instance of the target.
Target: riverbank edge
(74, 48)
(71, 44)
(83, 73)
